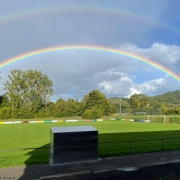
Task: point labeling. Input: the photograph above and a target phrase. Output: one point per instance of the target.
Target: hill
(169, 97)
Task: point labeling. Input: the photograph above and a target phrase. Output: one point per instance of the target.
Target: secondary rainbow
(77, 8)
(120, 52)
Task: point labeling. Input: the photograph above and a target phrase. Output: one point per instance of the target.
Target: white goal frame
(154, 116)
(139, 113)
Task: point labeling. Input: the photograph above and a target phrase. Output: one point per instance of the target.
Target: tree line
(28, 95)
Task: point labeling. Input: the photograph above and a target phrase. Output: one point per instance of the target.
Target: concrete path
(96, 169)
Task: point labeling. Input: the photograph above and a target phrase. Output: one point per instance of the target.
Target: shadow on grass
(25, 156)
(110, 144)
(38, 157)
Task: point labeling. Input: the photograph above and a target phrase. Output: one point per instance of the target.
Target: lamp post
(119, 102)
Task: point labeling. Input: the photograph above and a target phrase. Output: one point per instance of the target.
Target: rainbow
(120, 12)
(56, 49)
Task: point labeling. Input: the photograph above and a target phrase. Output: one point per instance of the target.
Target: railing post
(162, 144)
(130, 146)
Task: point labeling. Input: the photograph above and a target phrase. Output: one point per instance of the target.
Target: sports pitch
(33, 140)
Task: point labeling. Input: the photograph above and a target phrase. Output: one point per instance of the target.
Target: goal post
(140, 113)
(157, 118)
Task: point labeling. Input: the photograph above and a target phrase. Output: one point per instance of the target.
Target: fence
(141, 111)
(35, 155)
(138, 146)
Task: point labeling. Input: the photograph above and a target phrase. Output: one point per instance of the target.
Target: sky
(142, 28)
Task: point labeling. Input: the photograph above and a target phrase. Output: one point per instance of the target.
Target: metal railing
(129, 144)
(156, 144)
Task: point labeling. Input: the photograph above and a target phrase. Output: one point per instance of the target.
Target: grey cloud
(77, 72)
(166, 55)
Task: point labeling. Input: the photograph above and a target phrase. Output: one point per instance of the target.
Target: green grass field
(35, 137)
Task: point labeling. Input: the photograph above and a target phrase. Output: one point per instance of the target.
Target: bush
(25, 115)
(93, 113)
(5, 113)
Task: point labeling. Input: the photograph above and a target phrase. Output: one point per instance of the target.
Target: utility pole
(119, 102)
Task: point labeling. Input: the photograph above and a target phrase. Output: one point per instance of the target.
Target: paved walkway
(104, 168)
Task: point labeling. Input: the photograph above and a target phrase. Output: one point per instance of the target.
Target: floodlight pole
(119, 102)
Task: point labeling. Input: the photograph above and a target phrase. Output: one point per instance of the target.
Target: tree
(98, 100)
(60, 108)
(46, 111)
(67, 108)
(5, 113)
(125, 104)
(164, 109)
(140, 101)
(3, 101)
(28, 90)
